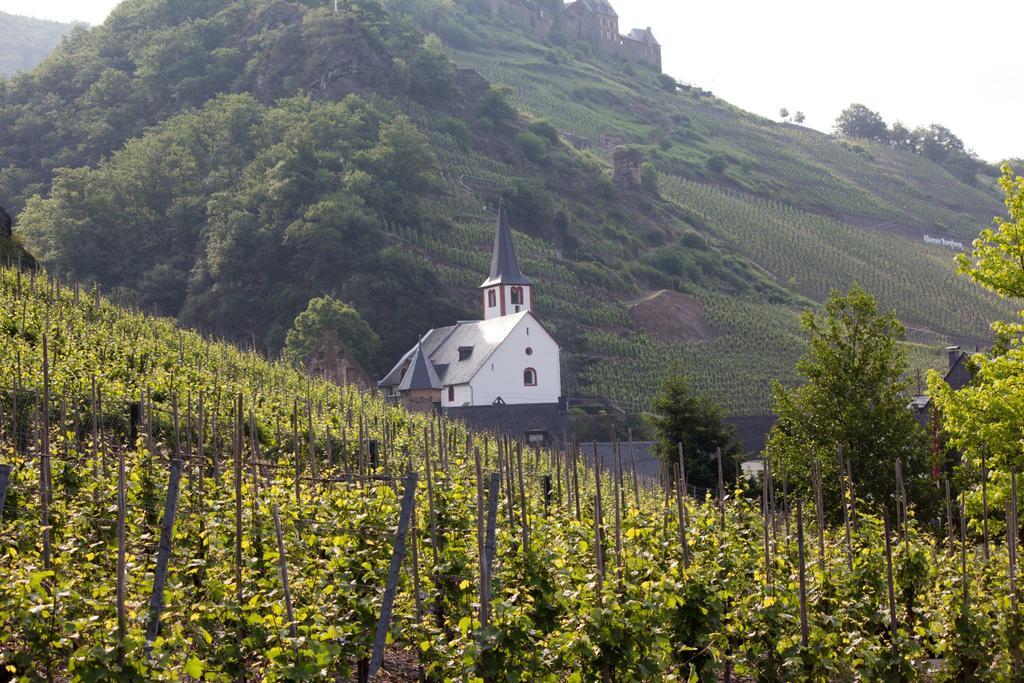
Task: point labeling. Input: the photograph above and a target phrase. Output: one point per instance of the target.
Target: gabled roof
(441, 347)
(421, 373)
(643, 35)
(504, 264)
(596, 6)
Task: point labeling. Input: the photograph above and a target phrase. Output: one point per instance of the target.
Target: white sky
(919, 61)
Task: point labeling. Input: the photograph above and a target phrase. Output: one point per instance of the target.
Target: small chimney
(954, 353)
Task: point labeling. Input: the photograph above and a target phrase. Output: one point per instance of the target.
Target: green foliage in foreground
(554, 617)
(853, 402)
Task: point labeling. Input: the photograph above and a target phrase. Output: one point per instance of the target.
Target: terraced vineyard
(266, 526)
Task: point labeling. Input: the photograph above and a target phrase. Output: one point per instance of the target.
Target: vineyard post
(5, 477)
(44, 461)
(121, 554)
(984, 505)
(721, 489)
(846, 513)
(490, 545)
(767, 533)
(680, 509)
(417, 591)
(397, 557)
(201, 448)
(522, 497)
(237, 467)
(559, 454)
(963, 552)
(949, 516)
(295, 449)
(188, 450)
(889, 582)
(576, 478)
(282, 563)
(616, 471)
(481, 539)
(802, 572)
(163, 558)
(1012, 529)
(312, 441)
(819, 505)
(505, 450)
(636, 474)
(598, 535)
(99, 433)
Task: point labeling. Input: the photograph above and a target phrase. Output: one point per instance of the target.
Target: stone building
(592, 21)
(597, 22)
(332, 361)
(626, 168)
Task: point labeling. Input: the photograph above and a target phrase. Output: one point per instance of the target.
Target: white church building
(503, 369)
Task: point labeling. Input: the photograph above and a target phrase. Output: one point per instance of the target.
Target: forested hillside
(25, 41)
(225, 163)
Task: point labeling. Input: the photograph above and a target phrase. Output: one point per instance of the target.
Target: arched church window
(530, 377)
(517, 296)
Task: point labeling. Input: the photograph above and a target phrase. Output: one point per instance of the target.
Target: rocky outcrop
(327, 59)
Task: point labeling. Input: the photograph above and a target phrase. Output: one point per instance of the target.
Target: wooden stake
(889, 582)
(804, 631)
(481, 541)
(984, 505)
(163, 559)
(121, 554)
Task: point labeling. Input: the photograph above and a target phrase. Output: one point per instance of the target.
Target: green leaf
(193, 667)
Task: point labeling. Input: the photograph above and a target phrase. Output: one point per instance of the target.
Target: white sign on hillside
(943, 242)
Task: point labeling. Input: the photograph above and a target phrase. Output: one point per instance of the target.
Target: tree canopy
(853, 402)
(857, 121)
(681, 417)
(327, 313)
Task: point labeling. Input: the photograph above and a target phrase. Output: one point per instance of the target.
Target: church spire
(504, 264)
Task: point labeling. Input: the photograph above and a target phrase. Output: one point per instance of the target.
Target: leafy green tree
(857, 121)
(854, 401)
(985, 416)
(649, 179)
(681, 417)
(784, 114)
(328, 313)
(902, 138)
(799, 117)
(996, 261)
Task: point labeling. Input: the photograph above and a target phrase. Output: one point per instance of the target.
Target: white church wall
(502, 374)
(463, 395)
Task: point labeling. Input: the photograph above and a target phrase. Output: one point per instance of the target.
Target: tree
(902, 138)
(783, 113)
(853, 402)
(996, 261)
(799, 117)
(328, 313)
(857, 121)
(985, 416)
(649, 178)
(681, 417)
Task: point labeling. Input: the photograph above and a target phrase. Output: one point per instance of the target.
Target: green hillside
(24, 41)
(224, 163)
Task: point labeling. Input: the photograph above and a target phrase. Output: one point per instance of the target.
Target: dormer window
(465, 352)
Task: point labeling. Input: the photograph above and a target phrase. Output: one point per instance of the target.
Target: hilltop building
(592, 21)
(503, 370)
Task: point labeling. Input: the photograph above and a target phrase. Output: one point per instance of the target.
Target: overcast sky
(919, 61)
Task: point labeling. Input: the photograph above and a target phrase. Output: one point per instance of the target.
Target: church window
(451, 393)
(517, 295)
(529, 351)
(492, 298)
(530, 377)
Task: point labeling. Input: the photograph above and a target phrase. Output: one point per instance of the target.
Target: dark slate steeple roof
(421, 373)
(504, 264)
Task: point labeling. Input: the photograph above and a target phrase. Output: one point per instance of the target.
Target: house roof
(421, 373)
(504, 263)
(441, 348)
(596, 6)
(643, 35)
